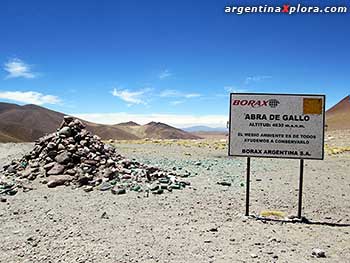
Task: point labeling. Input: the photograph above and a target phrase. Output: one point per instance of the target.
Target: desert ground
(201, 223)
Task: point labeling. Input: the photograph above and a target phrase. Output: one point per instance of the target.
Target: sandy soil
(204, 223)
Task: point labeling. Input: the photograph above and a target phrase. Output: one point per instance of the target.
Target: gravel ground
(203, 223)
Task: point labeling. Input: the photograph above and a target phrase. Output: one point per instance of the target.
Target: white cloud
(17, 68)
(132, 97)
(31, 97)
(192, 95)
(165, 74)
(169, 93)
(233, 89)
(180, 121)
(177, 102)
(256, 79)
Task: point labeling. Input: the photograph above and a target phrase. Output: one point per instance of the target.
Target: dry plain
(201, 223)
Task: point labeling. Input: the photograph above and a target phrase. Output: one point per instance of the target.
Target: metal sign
(277, 126)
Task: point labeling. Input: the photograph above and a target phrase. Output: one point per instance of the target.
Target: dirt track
(204, 223)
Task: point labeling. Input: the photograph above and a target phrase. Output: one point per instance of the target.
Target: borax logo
(256, 103)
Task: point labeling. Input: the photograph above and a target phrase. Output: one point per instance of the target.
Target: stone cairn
(73, 156)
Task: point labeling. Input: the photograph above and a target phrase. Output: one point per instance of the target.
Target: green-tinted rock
(136, 188)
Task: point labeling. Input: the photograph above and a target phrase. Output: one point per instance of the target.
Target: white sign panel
(277, 125)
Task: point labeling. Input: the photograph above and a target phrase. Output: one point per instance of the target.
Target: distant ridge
(156, 130)
(338, 116)
(160, 130)
(30, 122)
(129, 123)
(203, 128)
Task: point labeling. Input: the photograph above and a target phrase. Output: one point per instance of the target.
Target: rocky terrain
(201, 223)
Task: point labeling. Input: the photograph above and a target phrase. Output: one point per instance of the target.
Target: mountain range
(29, 122)
(338, 116)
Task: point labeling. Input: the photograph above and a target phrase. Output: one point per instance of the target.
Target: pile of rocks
(73, 156)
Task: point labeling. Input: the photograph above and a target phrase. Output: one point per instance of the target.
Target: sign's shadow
(303, 220)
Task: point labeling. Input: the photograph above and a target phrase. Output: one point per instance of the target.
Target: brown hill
(155, 130)
(129, 123)
(160, 130)
(338, 117)
(30, 122)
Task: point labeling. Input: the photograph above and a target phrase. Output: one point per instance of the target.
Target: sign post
(300, 203)
(289, 126)
(247, 188)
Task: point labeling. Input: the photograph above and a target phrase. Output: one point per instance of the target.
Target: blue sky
(170, 61)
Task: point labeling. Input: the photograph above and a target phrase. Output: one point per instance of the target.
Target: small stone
(108, 173)
(11, 169)
(104, 215)
(63, 158)
(175, 186)
(90, 162)
(71, 172)
(26, 173)
(88, 188)
(49, 165)
(3, 199)
(60, 147)
(58, 180)
(34, 165)
(110, 162)
(118, 191)
(96, 137)
(66, 131)
(319, 253)
(253, 255)
(163, 180)
(158, 192)
(136, 188)
(56, 169)
(105, 186)
(67, 118)
(213, 229)
(224, 183)
(27, 188)
(51, 145)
